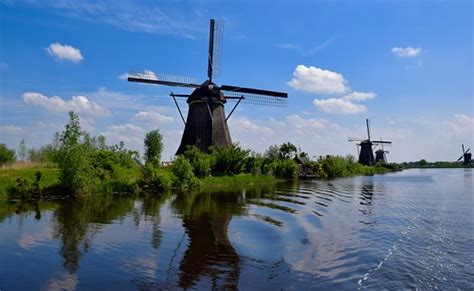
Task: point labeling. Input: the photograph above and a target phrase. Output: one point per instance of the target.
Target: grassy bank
(237, 181)
(9, 176)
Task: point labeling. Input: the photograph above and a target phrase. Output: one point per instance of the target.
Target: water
(412, 229)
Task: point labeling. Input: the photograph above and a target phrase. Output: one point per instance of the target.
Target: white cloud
(316, 80)
(132, 135)
(246, 125)
(64, 52)
(359, 96)
(406, 52)
(339, 106)
(154, 116)
(9, 129)
(287, 45)
(79, 104)
(459, 128)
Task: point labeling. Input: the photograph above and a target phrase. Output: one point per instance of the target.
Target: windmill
(380, 154)
(206, 123)
(466, 155)
(366, 153)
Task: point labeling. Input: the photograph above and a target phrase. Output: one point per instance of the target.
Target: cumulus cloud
(79, 104)
(340, 106)
(406, 52)
(154, 116)
(64, 52)
(359, 96)
(316, 80)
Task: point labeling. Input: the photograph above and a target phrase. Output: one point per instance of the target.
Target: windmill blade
(467, 150)
(387, 152)
(217, 48)
(460, 158)
(253, 91)
(462, 148)
(216, 34)
(368, 127)
(159, 79)
(381, 141)
(256, 99)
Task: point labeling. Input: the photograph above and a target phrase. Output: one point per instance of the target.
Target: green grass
(8, 177)
(237, 181)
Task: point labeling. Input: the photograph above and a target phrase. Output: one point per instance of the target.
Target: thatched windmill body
(466, 156)
(206, 123)
(366, 153)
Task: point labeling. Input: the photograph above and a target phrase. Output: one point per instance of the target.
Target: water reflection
(76, 222)
(210, 254)
(313, 235)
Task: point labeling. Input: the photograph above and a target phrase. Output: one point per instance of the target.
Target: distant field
(8, 175)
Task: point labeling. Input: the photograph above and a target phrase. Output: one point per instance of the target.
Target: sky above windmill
(405, 65)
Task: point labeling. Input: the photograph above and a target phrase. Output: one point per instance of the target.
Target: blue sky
(406, 65)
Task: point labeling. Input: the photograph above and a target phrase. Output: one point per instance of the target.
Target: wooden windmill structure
(466, 155)
(206, 123)
(366, 153)
(381, 154)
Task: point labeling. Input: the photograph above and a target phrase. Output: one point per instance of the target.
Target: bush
(156, 180)
(228, 161)
(183, 171)
(287, 169)
(200, 162)
(253, 165)
(6, 155)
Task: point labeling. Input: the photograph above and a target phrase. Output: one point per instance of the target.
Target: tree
(287, 150)
(22, 150)
(153, 147)
(6, 155)
(272, 153)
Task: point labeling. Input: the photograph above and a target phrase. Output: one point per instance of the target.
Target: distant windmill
(366, 153)
(206, 123)
(380, 154)
(466, 156)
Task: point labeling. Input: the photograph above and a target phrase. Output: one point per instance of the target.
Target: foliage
(272, 153)
(228, 160)
(200, 162)
(236, 181)
(153, 147)
(286, 169)
(337, 166)
(287, 150)
(6, 155)
(22, 150)
(183, 171)
(253, 165)
(156, 180)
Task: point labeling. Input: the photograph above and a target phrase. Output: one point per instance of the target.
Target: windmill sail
(160, 79)
(256, 99)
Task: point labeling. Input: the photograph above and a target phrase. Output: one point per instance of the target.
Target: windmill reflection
(210, 254)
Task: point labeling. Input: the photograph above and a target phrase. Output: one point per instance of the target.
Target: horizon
(340, 63)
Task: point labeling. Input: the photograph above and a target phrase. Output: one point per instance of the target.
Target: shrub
(183, 171)
(228, 161)
(200, 162)
(253, 165)
(6, 155)
(156, 180)
(287, 169)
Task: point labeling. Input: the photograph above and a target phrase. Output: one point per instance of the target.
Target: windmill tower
(366, 153)
(466, 156)
(380, 155)
(206, 123)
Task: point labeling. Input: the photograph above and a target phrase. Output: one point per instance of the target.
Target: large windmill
(366, 153)
(466, 155)
(206, 123)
